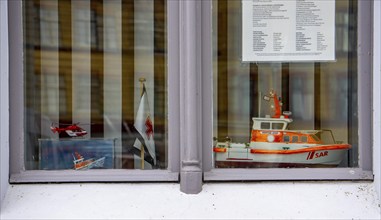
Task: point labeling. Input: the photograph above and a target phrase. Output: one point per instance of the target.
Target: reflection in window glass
(111, 39)
(309, 98)
(49, 26)
(85, 31)
(95, 84)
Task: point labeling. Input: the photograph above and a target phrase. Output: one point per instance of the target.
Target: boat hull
(240, 164)
(316, 156)
(91, 164)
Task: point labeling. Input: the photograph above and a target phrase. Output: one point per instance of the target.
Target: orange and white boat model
(273, 145)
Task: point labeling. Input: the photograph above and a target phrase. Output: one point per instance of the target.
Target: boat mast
(276, 105)
(259, 104)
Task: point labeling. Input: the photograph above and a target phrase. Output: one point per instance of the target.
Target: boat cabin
(276, 130)
(271, 123)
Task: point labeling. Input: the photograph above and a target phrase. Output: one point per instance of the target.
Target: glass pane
(95, 84)
(285, 113)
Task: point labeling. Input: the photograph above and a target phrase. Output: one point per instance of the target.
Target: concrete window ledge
(259, 200)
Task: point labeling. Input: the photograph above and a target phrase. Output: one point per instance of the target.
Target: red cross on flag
(144, 125)
(149, 128)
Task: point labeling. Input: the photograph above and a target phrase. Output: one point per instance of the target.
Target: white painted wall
(4, 113)
(377, 96)
(276, 200)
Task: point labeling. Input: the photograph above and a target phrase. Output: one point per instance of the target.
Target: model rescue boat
(273, 145)
(81, 164)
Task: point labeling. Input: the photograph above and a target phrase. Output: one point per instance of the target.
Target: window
(82, 96)
(85, 27)
(95, 99)
(304, 139)
(94, 119)
(49, 27)
(295, 139)
(277, 126)
(286, 138)
(265, 125)
(299, 98)
(111, 37)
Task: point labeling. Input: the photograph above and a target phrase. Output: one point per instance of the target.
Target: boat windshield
(277, 126)
(315, 137)
(273, 125)
(265, 125)
(323, 136)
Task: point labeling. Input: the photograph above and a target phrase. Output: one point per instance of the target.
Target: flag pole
(142, 80)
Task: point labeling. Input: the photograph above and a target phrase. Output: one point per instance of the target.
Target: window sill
(288, 174)
(260, 200)
(40, 176)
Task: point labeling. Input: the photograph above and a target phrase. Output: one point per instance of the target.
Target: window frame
(191, 159)
(362, 172)
(18, 174)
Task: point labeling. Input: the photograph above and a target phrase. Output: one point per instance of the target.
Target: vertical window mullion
(190, 105)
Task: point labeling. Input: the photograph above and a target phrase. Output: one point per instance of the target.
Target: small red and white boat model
(81, 164)
(273, 145)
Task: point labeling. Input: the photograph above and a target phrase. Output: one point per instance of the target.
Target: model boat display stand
(273, 145)
(76, 154)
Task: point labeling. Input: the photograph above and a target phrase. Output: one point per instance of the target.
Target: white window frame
(4, 100)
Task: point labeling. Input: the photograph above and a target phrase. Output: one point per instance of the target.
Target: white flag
(144, 125)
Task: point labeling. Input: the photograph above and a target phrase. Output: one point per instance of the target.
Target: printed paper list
(283, 30)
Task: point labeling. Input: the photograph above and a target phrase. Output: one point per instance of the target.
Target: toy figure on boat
(273, 145)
